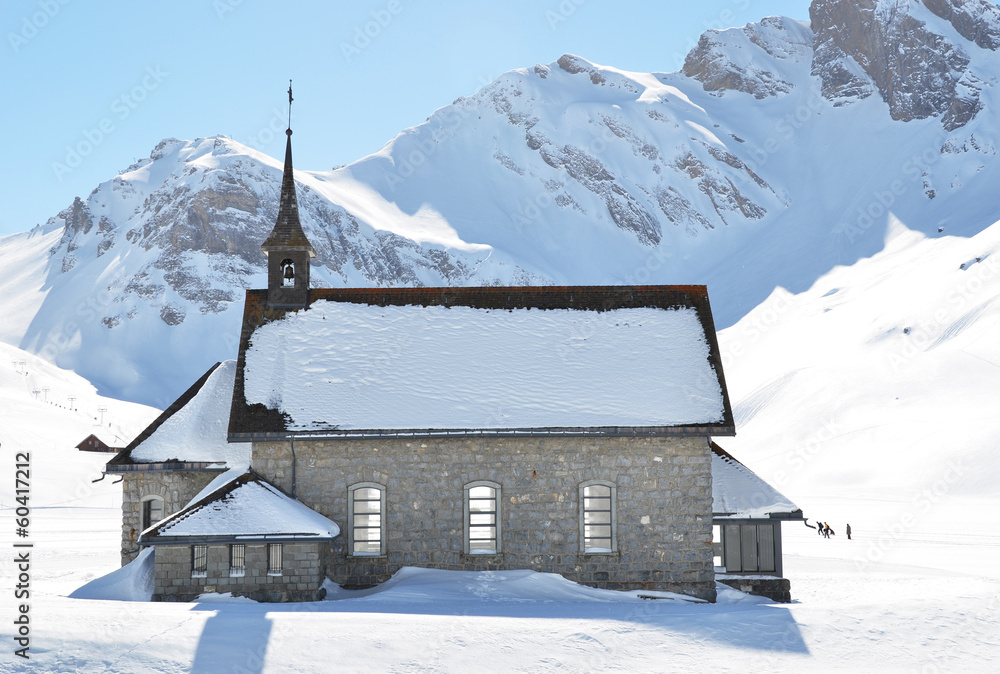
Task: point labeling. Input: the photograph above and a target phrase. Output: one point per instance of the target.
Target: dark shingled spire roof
(287, 230)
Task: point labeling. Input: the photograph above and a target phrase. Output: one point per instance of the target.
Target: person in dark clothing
(848, 532)
(819, 528)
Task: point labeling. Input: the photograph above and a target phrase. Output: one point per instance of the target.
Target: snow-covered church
(558, 429)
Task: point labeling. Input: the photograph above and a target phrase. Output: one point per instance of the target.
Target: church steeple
(287, 248)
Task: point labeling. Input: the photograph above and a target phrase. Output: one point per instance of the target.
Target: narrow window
(237, 560)
(367, 503)
(152, 511)
(597, 517)
(199, 561)
(274, 559)
(482, 518)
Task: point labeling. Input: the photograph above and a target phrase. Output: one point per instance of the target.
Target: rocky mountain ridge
(778, 152)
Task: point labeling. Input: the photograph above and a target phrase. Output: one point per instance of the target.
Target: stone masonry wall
(301, 577)
(664, 504)
(176, 488)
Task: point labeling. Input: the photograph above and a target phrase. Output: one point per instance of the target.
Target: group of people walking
(825, 531)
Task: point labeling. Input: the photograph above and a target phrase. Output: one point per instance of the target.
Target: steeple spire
(287, 248)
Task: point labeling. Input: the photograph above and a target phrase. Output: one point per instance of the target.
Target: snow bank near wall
(132, 582)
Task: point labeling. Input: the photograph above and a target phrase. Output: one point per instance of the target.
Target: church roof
(287, 232)
(247, 508)
(738, 492)
(191, 433)
(501, 361)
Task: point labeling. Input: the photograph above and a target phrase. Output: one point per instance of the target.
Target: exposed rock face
(770, 41)
(887, 46)
(976, 20)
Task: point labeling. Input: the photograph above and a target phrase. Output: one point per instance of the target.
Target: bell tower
(287, 249)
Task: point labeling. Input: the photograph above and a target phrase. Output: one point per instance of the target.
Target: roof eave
(213, 466)
(212, 539)
(693, 430)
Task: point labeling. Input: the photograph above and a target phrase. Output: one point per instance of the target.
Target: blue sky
(91, 87)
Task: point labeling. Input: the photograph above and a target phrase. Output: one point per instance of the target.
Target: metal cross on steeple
(290, 99)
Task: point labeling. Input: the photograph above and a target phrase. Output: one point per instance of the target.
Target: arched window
(287, 273)
(152, 511)
(366, 513)
(482, 518)
(598, 530)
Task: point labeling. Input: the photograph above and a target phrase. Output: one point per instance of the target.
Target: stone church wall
(663, 506)
(300, 579)
(176, 488)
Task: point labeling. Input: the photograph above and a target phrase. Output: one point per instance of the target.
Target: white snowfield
(353, 366)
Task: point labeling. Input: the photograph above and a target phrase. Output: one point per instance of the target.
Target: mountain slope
(880, 378)
(775, 155)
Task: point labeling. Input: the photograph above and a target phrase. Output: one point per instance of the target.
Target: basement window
(274, 559)
(237, 560)
(199, 561)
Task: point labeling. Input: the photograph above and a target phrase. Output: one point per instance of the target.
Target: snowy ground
(931, 602)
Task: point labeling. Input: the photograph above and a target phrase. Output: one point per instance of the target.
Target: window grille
(367, 503)
(598, 518)
(274, 559)
(199, 561)
(237, 560)
(482, 518)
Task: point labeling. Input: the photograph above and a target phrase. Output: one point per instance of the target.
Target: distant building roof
(247, 508)
(101, 442)
(191, 433)
(738, 492)
(583, 360)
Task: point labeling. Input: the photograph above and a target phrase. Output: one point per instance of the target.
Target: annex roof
(191, 433)
(738, 493)
(246, 508)
(579, 360)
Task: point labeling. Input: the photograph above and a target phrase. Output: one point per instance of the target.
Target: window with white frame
(366, 503)
(152, 511)
(237, 560)
(482, 518)
(597, 517)
(274, 559)
(199, 561)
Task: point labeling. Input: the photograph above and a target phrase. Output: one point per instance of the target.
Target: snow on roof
(345, 366)
(197, 431)
(245, 508)
(738, 492)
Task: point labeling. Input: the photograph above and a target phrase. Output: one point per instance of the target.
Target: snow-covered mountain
(775, 155)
